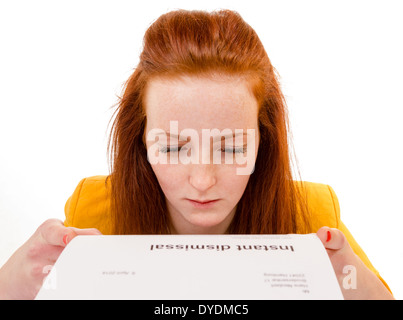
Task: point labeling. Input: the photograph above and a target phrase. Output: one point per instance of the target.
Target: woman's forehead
(198, 102)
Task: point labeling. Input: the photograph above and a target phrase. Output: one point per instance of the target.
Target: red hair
(201, 43)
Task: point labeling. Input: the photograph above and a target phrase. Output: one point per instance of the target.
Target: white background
(63, 63)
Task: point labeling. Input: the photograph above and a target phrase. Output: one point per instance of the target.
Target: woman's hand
(366, 285)
(22, 275)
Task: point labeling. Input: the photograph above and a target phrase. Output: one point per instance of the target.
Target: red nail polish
(65, 239)
(329, 236)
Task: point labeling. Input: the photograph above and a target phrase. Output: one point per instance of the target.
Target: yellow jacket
(89, 207)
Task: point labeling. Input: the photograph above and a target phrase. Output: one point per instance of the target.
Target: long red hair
(198, 42)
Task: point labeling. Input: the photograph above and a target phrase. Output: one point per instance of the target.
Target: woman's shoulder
(89, 205)
(324, 210)
(322, 203)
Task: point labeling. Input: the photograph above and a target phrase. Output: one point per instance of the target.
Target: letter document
(192, 267)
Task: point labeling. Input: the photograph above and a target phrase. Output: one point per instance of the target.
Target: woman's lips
(203, 205)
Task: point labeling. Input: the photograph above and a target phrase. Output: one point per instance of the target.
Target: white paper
(193, 267)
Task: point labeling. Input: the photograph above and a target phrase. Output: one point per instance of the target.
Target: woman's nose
(202, 176)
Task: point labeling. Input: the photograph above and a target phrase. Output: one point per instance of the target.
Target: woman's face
(197, 165)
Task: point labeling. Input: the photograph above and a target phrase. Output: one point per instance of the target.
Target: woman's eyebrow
(226, 136)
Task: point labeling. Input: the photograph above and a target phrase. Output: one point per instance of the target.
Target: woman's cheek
(170, 177)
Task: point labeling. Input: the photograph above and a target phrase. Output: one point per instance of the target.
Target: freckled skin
(201, 103)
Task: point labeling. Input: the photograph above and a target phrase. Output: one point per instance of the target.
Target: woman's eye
(171, 149)
(234, 150)
(226, 150)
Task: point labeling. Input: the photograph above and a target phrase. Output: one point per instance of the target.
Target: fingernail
(329, 236)
(66, 239)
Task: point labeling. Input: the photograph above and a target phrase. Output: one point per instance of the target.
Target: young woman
(201, 76)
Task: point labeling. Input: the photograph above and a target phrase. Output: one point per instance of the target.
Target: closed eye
(179, 148)
(171, 149)
(234, 150)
